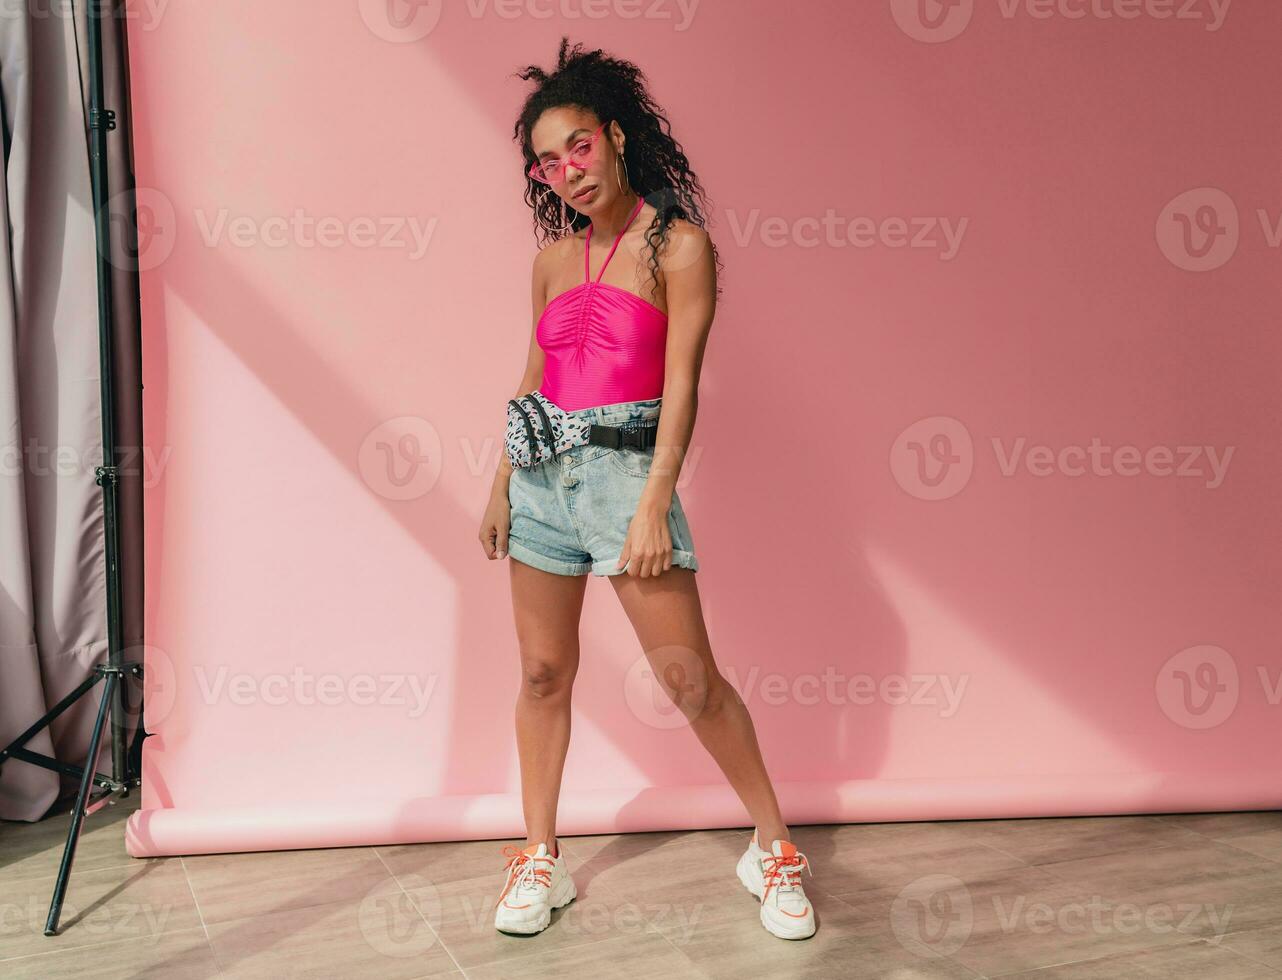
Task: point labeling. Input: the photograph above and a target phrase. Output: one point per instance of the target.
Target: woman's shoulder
(551, 259)
(687, 241)
(685, 230)
(558, 250)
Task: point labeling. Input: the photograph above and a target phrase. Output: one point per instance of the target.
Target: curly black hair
(656, 165)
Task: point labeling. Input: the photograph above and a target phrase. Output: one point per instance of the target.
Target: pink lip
(584, 192)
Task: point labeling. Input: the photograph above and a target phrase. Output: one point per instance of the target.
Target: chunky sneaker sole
(562, 895)
(776, 921)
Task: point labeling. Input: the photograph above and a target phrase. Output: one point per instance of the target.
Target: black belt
(629, 436)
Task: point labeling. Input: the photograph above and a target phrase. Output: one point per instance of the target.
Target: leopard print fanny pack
(538, 429)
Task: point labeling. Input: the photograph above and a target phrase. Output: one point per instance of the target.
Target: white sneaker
(774, 876)
(536, 884)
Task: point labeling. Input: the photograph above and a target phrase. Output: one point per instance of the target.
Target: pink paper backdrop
(984, 481)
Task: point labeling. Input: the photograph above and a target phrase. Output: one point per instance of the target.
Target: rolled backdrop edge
(164, 832)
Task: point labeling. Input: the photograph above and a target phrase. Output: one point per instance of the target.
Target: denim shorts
(570, 514)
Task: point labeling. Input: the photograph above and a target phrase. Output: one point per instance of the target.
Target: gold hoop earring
(617, 160)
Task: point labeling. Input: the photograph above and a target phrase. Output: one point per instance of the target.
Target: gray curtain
(53, 622)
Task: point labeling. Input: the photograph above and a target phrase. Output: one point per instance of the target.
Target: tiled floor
(1177, 896)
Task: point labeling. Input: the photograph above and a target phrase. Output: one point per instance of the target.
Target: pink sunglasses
(552, 170)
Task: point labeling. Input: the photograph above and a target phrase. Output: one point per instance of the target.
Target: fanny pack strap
(562, 430)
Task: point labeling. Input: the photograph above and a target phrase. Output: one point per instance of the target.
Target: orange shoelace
(526, 871)
(783, 870)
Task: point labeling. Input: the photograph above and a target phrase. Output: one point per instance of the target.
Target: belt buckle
(634, 433)
(604, 435)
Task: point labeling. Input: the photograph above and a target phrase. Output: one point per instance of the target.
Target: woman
(623, 302)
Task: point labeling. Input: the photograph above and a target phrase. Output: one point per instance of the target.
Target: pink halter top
(602, 344)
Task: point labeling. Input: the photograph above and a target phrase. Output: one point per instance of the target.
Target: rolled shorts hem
(683, 559)
(538, 560)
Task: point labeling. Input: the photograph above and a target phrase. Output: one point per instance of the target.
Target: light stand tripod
(126, 767)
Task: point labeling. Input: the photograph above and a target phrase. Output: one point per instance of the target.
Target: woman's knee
(544, 677)
(698, 694)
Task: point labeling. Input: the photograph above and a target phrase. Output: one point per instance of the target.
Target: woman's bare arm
(691, 278)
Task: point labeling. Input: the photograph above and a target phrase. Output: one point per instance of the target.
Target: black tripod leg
(78, 814)
(135, 748)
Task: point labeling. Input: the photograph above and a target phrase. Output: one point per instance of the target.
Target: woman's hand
(495, 525)
(648, 544)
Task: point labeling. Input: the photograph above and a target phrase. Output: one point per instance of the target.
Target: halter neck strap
(587, 248)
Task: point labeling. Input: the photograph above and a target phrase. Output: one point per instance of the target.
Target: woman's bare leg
(667, 616)
(547, 608)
